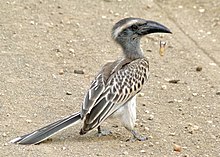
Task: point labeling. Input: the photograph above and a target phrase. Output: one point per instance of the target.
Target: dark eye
(134, 27)
(124, 33)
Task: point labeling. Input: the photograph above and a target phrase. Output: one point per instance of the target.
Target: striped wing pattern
(116, 84)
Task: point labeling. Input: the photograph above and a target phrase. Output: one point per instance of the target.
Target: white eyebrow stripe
(126, 25)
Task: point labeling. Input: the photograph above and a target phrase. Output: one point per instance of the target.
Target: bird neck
(132, 49)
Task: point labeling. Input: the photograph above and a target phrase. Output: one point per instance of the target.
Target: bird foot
(102, 132)
(140, 138)
(137, 137)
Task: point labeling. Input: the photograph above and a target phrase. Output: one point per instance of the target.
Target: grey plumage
(113, 91)
(123, 83)
(47, 131)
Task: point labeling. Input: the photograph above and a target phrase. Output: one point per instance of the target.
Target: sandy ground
(43, 42)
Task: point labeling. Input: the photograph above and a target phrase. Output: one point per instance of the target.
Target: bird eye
(134, 27)
(124, 33)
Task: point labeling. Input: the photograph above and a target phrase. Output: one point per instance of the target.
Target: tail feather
(47, 131)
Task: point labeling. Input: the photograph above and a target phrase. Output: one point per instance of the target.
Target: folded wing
(108, 93)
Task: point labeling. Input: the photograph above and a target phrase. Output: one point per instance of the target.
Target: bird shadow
(89, 138)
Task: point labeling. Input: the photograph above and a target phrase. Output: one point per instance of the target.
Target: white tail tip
(15, 140)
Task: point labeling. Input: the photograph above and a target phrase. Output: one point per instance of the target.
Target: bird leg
(137, 136)
(102, 132)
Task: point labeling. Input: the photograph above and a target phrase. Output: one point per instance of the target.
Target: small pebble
(146, 129)
(71, 50)
(142, 151)
(179, 101)
(195, 127)
(172, 134)
(125, 153)
(192, 128)
(213, 64)
(78, 71)
(194, 94)
(213, 136)
(147, 111)
(201, 10)
(177, 148)
(174, 81)
(180, 109)
(32, 22)
(27, 65)
(4, 134)
(170, 101)
(5, 144)
(140, 94)
(78, 24)
(68, 93)
(199, 68)
(61, 72)
(98, 154)
(218, 93)
(151, 117)
(116, 14)
(54, 76)
(150, 137)
(213, 40)
(28, 120)
(163, 87)
(151, 144)
(209, 121)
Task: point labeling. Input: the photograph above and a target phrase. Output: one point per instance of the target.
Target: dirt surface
(43, 42)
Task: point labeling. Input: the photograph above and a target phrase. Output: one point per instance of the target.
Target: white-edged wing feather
(108, 93)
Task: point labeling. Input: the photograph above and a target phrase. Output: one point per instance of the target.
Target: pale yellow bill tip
(162, 48)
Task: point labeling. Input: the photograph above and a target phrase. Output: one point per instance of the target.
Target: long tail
(47, 131)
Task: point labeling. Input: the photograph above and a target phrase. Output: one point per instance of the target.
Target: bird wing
(98, 85)
(117, 83)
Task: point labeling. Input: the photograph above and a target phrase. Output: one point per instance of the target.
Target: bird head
(130, 30)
